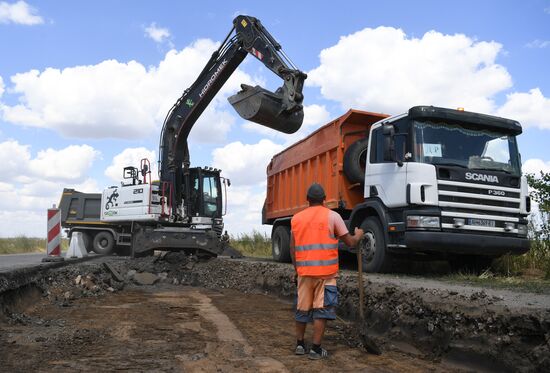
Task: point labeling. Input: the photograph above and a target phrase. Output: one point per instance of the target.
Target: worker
(314, 237)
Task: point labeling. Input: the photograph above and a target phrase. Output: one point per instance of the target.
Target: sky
(85, 86)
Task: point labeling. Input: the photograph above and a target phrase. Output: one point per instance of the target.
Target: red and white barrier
(53, 249)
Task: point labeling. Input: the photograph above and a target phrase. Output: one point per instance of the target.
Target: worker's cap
(316, 192)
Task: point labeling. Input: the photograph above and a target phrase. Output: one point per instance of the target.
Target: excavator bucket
(264, 107)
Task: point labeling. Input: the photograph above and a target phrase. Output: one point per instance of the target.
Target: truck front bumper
(465, 243)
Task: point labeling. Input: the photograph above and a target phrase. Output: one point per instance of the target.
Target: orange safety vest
(316, 252)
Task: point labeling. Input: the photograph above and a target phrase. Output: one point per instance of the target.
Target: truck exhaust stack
(267, 108)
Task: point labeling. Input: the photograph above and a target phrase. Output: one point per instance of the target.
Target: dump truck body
(320, 158)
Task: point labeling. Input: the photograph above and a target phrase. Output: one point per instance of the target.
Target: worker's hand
(359, 232)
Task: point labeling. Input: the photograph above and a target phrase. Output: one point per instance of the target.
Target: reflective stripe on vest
(316, 252)
(325, 246)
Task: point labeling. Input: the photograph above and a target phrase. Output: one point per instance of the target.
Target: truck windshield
(456, 145)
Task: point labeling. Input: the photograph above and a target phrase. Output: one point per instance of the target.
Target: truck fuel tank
(267, 108)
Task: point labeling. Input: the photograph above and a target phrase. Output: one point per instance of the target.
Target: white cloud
(1, 87)
(69, 164)
(19, 13)
(547, 10)
(531, 109)
(158, 34)
(538, 44)
(120, 100)
(535, 166)
(244, 210)
(131, 157)
(245, 164)
(385, 70)
(29, 185)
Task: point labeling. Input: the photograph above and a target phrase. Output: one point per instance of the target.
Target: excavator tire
(355, 159)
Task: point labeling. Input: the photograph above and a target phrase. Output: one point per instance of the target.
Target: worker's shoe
(317, 355)
(300, 350)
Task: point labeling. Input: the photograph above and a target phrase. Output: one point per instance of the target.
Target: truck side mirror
(388, 130)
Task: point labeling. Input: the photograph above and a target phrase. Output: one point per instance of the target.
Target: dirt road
(175, 328)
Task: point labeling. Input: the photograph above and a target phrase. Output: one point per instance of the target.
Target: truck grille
(475, 202)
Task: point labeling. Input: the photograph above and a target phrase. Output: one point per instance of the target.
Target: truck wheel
(374, 254)
(355, 159)
(280, 244)
(104, 243)
(474, 264)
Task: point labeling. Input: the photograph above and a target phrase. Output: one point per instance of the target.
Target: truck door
(384, 178)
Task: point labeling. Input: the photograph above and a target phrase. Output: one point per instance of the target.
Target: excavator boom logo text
(213, 78)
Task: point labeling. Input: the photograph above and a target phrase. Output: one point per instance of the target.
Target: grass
(22, 244)
(255, 244)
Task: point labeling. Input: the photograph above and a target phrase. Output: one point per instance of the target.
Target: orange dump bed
(317, 158)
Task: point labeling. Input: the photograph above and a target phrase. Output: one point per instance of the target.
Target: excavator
(184, 209)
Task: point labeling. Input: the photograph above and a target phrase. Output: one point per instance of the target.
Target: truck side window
(210, 195)
(377, 146)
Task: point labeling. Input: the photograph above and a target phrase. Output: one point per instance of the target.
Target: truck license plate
(481, 222)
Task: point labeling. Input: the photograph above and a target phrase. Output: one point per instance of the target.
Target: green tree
(540, 193)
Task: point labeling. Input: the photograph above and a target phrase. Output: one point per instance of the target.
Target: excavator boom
(281, 110)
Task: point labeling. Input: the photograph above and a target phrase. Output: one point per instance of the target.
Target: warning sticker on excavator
(243, 22)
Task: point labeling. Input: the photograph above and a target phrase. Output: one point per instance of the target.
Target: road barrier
(53, 249)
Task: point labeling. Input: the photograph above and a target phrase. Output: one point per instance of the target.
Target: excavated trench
(431, 329)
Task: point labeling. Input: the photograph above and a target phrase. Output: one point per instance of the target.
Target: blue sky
(84, 86)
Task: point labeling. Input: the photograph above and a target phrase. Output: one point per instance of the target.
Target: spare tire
(355, 160)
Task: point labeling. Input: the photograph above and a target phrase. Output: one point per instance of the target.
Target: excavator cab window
(205, 193)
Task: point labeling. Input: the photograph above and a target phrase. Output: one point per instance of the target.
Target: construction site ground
(171, 313)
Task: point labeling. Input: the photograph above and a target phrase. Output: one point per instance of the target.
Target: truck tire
(104, 243)
(376, 258)
(280, 244)
(355, 159)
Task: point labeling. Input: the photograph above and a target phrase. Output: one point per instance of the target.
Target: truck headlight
(522, 229)
(418, 221)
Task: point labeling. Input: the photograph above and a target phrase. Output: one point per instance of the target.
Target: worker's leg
(304, 300)
(319, 326)
(300, 330)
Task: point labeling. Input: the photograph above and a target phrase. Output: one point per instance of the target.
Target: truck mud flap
(264, 107)
(146, 239)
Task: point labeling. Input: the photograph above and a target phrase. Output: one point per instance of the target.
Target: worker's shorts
(316, 298)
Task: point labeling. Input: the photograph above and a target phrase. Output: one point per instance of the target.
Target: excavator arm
(281, 110)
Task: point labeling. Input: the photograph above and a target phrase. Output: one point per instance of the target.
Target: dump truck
(432, 183)
(183, 209)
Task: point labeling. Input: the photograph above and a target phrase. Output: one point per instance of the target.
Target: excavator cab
(205, 194)
(267, 108)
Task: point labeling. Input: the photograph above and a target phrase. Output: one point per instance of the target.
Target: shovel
(369, 344)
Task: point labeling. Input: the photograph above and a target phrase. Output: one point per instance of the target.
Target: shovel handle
(360, 280)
